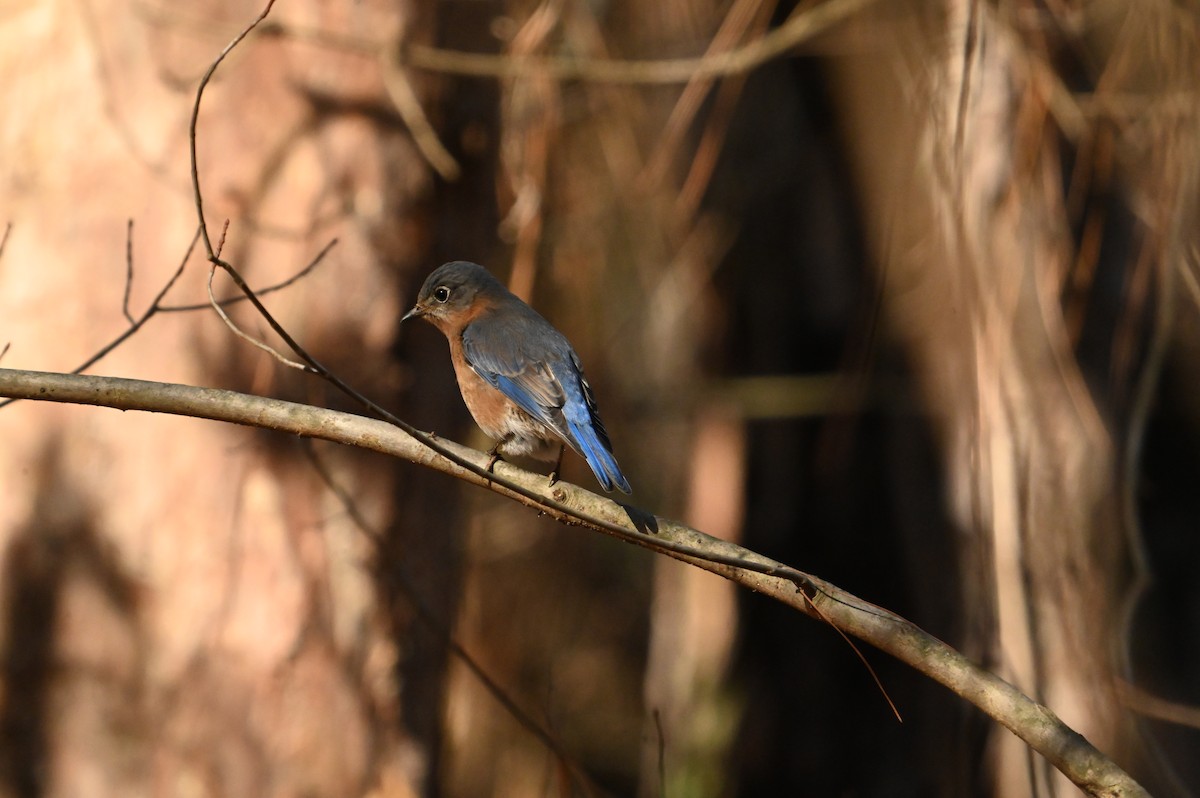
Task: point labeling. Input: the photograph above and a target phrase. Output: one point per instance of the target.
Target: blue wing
(531, 363)
(587, 430)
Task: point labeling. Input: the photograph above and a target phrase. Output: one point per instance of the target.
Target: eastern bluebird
(519, 376)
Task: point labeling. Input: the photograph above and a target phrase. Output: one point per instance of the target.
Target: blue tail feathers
(597, 454)
(587, 433)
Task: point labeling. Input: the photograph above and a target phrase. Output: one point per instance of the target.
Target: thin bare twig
(128, 270)
(250, 339)
(134, 324)
(262, 292)
(156, 305)
(270, 289)
(661, 740)
(3, 241)
(198, 198)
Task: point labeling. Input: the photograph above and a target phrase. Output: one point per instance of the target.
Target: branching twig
(134, 324)
(156, 305)
(270, 289)
(270, 350)
(199, 200)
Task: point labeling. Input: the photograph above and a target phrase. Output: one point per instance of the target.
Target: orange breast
(488, 406)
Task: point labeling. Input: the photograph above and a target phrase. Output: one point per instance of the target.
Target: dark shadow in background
(1165, 631)
(855, 498)
(426, 533)
(58, 543)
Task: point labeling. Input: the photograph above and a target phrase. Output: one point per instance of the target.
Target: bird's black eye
(441, 293)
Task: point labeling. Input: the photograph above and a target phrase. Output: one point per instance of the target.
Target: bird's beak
(414, 313)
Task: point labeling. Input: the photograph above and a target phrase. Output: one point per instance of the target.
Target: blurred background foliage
(902, 294)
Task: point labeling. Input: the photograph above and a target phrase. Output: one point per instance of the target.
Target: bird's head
(454, 294)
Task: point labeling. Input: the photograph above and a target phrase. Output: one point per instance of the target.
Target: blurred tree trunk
(187, 608)
(1026, 221)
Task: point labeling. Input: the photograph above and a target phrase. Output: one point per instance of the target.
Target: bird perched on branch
(519, 376)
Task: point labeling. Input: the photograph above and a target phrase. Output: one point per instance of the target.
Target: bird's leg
(494, 452)
(557, 464)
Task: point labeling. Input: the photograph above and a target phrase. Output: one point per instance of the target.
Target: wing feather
(512, 355)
